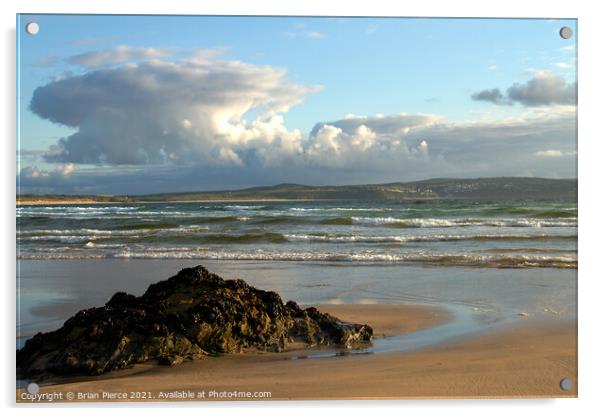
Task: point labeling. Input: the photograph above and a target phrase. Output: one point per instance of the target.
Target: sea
(438, 233)
(487, 262)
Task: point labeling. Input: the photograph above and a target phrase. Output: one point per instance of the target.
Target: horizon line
(299, 184)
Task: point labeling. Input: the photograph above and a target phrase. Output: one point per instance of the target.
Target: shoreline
(39, 202)
(525, 359)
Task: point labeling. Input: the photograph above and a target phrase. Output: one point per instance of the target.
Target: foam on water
(441, 233)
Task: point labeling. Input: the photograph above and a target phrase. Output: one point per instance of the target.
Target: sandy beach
(207, 212)
(524, 359)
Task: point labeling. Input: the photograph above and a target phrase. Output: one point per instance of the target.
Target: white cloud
(554, 153)
(66, 169)
(331, 146)
(227, 156)
(568, 49)
(327, 143)
(160, 111)
(378, 142)
(384, 125)
(427, 146)
(40, 180)
(422, 149)
(315, 35)
(359, 152)
(202, 122)
(301, 31)
(119, 55)
(32, 172)
(363, 139)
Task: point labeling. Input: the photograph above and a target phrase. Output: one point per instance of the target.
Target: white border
(589, 187)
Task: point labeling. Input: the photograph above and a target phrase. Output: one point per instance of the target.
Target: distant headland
(496, 188)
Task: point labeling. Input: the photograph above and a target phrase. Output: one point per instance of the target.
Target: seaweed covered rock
(193, 314)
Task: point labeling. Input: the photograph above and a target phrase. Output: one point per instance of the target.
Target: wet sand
(526, 359)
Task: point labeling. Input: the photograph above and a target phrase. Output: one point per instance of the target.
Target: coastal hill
(500, 188)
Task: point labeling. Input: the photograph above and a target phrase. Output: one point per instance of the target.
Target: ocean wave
(337, 221)
(555, 214)
(507, 210)
(246, 207)
(221, 219)
(355, 238)
(330, 209)
(280, 219)
(91, 244)
(435, 259)
(395, 222)
(78, 231)
(78, 208)
(345, 238)
(102, 214)
(243, 238)
(409, 223)
(198, 233)
(41, 234)
(111, 216)
(530, 250)
(57, 238)
(146, 226)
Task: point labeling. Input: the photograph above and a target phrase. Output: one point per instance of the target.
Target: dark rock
(193, 314)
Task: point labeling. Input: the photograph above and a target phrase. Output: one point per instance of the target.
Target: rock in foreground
(192, 314)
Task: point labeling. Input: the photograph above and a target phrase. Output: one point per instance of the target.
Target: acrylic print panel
(273, 208)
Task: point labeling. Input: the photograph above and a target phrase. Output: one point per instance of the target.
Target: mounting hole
(33, 388)
(566, 32)
(32, 28)
(566, 384)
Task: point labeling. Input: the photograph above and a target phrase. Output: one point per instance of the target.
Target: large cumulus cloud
(208, 112)
(369, 142)
(161, 125)
(419, 146)
(159, 111)
(348, 154)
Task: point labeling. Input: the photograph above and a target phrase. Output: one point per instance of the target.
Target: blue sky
(470, 91)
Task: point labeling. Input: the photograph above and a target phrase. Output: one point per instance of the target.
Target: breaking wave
(440, 259)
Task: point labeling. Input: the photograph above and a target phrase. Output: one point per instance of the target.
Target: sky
(147, 104)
